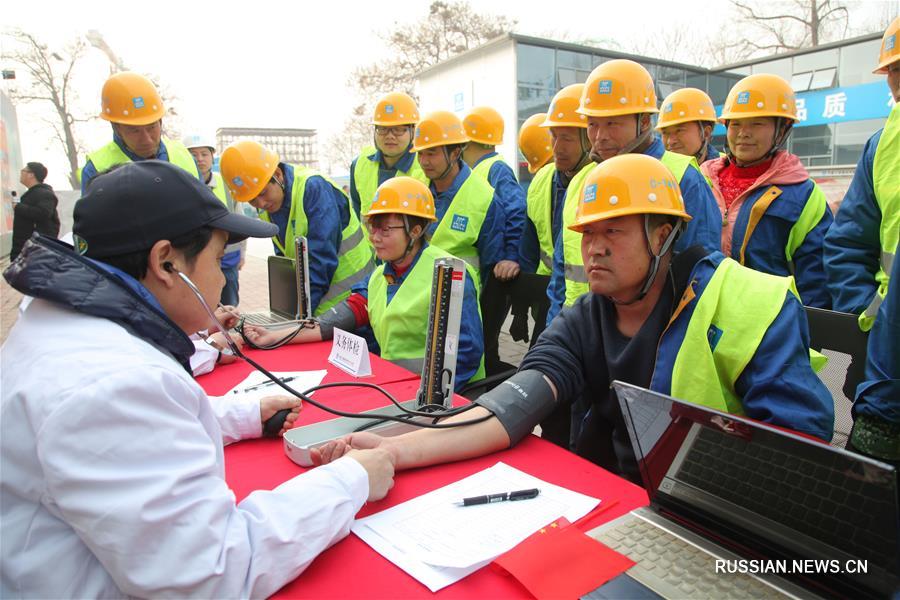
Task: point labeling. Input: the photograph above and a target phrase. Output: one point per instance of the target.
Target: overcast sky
(273, 64)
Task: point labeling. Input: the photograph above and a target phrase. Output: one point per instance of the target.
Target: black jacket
(35, 212)
(51, 270)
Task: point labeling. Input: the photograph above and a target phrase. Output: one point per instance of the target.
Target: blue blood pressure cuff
(520, 403)
(339, 316)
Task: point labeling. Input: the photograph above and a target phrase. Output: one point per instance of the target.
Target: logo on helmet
(81, 245)
(389, 108)
(890, 42)
(604, 86)
(668, 183)
(138, 102)
(743, 98)
(590, 193)
(667, 108)
(237, 181)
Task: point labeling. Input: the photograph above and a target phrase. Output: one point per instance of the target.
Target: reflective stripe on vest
(401, 327)
(457, 233)
(111, 155)
(539, 206)
(886, 184)
(728, 323)
(365, 177)
(573, 265)
(354, 257)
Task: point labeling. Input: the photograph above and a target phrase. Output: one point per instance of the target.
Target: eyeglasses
(384, 231)
(396, 131)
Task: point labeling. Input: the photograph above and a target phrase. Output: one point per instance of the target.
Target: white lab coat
(113, 475)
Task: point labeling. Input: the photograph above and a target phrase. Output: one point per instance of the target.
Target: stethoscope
(276, 422)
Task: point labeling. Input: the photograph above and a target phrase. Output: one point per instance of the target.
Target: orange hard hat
(438, 128)
(396, 108)
(618, 87)
(130, 99)
(563, 111)
(760, 95)
(686, 105)
(535, 142)
(629, 184)
(890, 51)
(484, 125)
(247, 167)
(405, 196)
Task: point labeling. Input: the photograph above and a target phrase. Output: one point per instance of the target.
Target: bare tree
(450, 28)
(791, 25)
(51, 73)
(341, 149)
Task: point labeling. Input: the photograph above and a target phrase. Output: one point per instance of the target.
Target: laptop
(743, 509)
(283, 305)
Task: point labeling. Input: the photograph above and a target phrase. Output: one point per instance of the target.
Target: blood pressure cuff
(339, 316)
(520, 403)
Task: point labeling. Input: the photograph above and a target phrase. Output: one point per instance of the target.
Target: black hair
(38, 170)
(191, 244)
(655, 220)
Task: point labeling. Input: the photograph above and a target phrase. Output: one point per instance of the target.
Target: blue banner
(835, 105)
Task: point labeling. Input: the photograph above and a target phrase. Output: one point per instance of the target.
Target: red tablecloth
(350, 569)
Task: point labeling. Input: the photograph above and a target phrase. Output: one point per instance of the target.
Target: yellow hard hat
(438, 128)
(484, 125)
(890, 51)
(396, 108)
(618, 87)
(405, 196)
(563, 111)
(760, 95)
(686, 105)
(247, 167)
(131, 99)
(629, 184)
(535, 142)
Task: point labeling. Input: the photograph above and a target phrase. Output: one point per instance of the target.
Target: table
(350, 569)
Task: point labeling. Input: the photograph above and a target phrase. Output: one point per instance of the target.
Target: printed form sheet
(439, 542)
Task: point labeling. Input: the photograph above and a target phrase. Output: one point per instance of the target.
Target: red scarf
(735, 180)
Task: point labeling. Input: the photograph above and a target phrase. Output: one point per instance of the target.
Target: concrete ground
(253, 293)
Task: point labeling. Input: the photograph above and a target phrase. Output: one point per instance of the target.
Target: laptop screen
(282, 286)
(768, 494)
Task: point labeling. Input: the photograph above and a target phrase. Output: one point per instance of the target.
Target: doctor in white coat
(111, 454)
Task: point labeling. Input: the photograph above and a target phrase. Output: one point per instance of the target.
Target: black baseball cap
(133, 206)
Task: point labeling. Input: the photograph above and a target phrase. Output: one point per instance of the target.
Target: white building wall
(486, 76)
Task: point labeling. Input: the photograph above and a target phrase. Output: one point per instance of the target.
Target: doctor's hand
(379, 465)
(269, 406)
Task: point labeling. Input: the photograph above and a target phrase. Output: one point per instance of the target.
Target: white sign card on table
(350, 353)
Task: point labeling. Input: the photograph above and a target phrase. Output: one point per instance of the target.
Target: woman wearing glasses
(395, 300)
(394, 120)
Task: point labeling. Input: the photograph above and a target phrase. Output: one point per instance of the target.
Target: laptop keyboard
(673, 568)
(820, 500)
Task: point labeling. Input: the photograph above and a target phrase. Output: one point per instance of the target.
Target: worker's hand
(228, 315)
(241, 263)
(333, 450)
(261, 336)
(506, 270)
(270, 405)
(379, 464)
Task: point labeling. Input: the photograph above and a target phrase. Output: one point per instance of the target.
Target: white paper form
(302, 380)
(439, 542)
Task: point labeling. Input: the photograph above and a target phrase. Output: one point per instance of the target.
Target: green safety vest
(457, 233)
(741, 303)
(401, 327)
(218, 188)
(483, 169)
(111, 155)
(576, 278)
(354, 256)
(365, 177)
(886, 184)
(539, 205)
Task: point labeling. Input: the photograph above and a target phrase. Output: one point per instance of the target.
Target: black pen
(505, 496)
(265, 383)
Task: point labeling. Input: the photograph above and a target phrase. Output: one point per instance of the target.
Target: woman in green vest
(294, 197)
(395, 299)
(394, 121)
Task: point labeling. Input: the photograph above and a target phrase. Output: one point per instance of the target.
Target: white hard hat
(199, 140)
